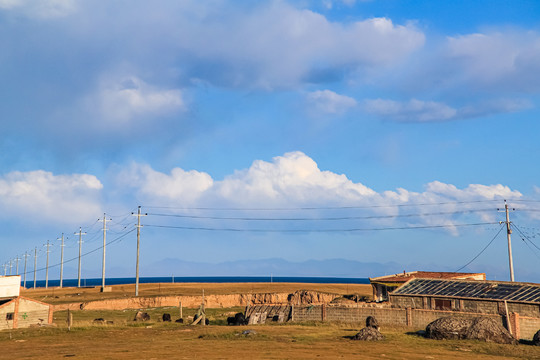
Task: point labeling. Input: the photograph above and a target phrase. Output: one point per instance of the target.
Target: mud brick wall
(525, 309)
(528, 327)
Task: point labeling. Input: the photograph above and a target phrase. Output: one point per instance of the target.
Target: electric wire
(324, 207)
(317, 230)
(482, 251)
(321, 218)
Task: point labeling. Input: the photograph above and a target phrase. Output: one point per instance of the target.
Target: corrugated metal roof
(488, 290)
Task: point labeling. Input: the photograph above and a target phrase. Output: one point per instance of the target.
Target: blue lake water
(201, 279)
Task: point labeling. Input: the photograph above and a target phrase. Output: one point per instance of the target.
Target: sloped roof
(406, 276)
(473, 289)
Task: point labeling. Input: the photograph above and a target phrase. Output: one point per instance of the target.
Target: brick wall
(414, 318)
(528, 327)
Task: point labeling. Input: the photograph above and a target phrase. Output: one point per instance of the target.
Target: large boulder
(451, 327)
(488, 329)
(368, 334)
(536, 338)
(475, 328)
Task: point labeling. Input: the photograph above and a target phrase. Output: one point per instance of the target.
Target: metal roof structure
(479, 290)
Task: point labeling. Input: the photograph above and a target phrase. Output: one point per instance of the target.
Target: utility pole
(5, 269)
(10, 266)
(25, 257)
(80, 249)
(35, 266)
(138, 248)
(47, 267)
(17, 264)
(61, 259)
(104, 243)
(508, 232)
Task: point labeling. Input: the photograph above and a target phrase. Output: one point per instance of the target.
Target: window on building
(9, 316)
(442, 304)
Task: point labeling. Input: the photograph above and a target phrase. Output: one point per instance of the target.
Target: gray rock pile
(477, 328)
(368, 334)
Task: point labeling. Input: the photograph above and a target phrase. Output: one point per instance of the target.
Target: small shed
(384, 285)
(18, 311)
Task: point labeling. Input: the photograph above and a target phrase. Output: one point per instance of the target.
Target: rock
(372, 322)
(237, 319)
(475, 328)
(536, 338)
(451, 327)
(249, 332)
(141, 316)
(488, 329)
(368, 334)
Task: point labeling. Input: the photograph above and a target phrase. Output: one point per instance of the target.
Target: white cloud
(131, 98)
(411, 111)
(430, 111)
(278, 45)
(329, 102)
(509, 59)
(178, 186)
(294, 180)
(39, 8)
(39, 195)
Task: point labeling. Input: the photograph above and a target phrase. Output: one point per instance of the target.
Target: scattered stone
(536, 338)
(368, 334)
(476, 328)
(249, 332)
(166, 317)
(141, 316)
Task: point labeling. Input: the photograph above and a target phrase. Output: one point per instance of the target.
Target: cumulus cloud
(295, 180)
(430, 111)
(39, 8)
(131, 98)
(329, 102)
(178, 186)
(43, 195)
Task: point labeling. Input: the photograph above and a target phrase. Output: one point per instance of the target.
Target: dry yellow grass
(324, 341)
(68, 295)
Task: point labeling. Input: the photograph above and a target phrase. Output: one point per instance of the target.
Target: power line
(320, 230)
(323, 208)
(322, 218)
(484, 249)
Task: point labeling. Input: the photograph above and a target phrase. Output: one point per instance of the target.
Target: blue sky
(387, 113)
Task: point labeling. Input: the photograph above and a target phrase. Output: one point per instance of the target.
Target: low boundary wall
(522, 327)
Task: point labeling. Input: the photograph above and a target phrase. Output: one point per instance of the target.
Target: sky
(383, 131)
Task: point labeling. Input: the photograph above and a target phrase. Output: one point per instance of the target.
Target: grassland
(127, 339)
(69, 295)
